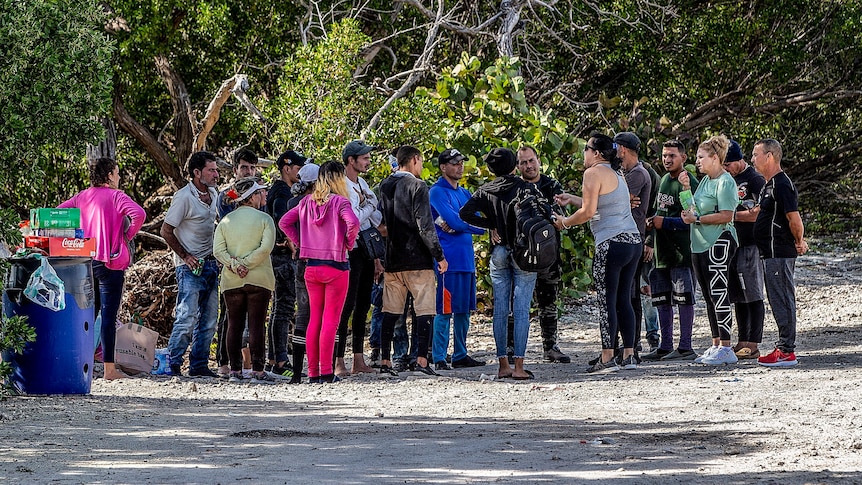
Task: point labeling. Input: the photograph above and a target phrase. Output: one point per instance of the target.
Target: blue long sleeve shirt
(446, 201)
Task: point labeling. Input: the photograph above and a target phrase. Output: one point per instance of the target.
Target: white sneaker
(724, 355)
(706, 354)
(246, 374)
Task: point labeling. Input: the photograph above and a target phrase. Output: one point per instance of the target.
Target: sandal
(524, 378)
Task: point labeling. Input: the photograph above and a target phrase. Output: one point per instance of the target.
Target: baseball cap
(356, 148)
(628, 140)
(308, 172)
(450, 155)
(291, 157)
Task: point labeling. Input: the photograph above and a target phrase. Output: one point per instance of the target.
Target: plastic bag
(45, 288)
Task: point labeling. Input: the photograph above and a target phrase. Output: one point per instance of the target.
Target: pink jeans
(327, 289)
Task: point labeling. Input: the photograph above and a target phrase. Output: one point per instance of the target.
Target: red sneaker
(777, 358)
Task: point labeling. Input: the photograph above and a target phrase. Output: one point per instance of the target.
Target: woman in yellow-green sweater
(242, 243)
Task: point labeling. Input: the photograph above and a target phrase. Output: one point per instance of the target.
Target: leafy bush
(483, 107)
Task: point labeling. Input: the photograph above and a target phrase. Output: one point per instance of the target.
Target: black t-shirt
(772, 229)
(749, 184)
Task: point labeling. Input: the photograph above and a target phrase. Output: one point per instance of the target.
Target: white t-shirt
(194, 221)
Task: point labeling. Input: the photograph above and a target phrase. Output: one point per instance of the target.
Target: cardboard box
(49, 218)
(70, 246)
(36, 242)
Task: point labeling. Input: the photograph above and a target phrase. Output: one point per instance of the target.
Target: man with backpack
(548, 280)
(491, 208)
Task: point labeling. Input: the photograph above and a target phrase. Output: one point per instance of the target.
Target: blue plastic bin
(60, 361)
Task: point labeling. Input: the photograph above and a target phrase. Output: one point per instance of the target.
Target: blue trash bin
(60, 361)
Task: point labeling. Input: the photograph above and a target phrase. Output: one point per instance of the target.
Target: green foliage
(484, 107)
(319, 107)
(55, 82)
(15, 333)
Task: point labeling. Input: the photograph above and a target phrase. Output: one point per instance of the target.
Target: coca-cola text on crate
(71, 246)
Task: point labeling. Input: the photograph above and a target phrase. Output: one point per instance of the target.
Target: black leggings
(357, 303)
(614, 267)
(711, 269)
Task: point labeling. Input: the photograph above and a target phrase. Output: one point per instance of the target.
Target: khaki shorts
(422, 284)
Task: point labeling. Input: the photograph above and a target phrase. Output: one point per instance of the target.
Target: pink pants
(327, 289)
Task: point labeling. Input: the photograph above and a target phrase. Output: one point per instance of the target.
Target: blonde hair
(716, 145)
(330, 180)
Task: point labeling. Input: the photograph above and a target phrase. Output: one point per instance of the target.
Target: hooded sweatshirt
(489, 207)
(328, 230)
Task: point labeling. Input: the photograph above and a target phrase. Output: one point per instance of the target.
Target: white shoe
(724, 355)
(706, 354)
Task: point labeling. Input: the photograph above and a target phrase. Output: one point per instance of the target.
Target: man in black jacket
(547, 281)
(411, 249)
(490, 208)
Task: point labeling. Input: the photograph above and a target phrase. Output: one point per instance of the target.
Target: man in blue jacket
(456, 289)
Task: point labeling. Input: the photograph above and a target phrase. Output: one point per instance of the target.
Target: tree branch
(185, 124)
(154, 149)
(422, 65)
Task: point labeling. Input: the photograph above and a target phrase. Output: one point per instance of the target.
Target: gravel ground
(662, 423)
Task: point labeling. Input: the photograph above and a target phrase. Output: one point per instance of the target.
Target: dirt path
(662, 423)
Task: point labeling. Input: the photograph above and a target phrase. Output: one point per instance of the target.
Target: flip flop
(528, 377)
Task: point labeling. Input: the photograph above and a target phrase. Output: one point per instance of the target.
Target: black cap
(734, 152)
(356, 148)
(291, 157)
(628, 140)
(501, 161)
(450, 155)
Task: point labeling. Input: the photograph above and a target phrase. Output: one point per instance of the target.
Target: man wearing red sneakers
(779, 233)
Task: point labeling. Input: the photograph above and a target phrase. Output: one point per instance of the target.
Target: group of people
(320, 243)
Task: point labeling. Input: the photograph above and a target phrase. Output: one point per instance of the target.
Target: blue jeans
(399, 340)
(196, 315)
(504, 274)
(109, 294)
(460, 325)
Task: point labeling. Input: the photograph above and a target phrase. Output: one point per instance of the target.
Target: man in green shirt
(671, 281)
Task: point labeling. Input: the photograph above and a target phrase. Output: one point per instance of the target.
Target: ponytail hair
(607, 149)
(716, 145)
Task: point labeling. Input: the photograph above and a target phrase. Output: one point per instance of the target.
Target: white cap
(308, 172)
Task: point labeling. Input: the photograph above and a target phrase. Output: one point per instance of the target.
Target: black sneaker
(655, 355)
(427, 370)
(653, 342)
(375, 358)
(385, 369)
(328, 379)
(467, 362)
(442, 366)
(397, 366)
(202, 372)
(510, 355)
(554, 354)
(176, 370)
(618, 357)
(285, 372)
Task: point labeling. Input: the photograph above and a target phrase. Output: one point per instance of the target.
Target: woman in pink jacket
(113, 218)
(328, 227)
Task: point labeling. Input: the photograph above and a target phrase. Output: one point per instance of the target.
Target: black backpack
(535, 247)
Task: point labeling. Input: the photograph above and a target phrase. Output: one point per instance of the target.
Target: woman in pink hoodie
(328, 229)
(113, 218)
